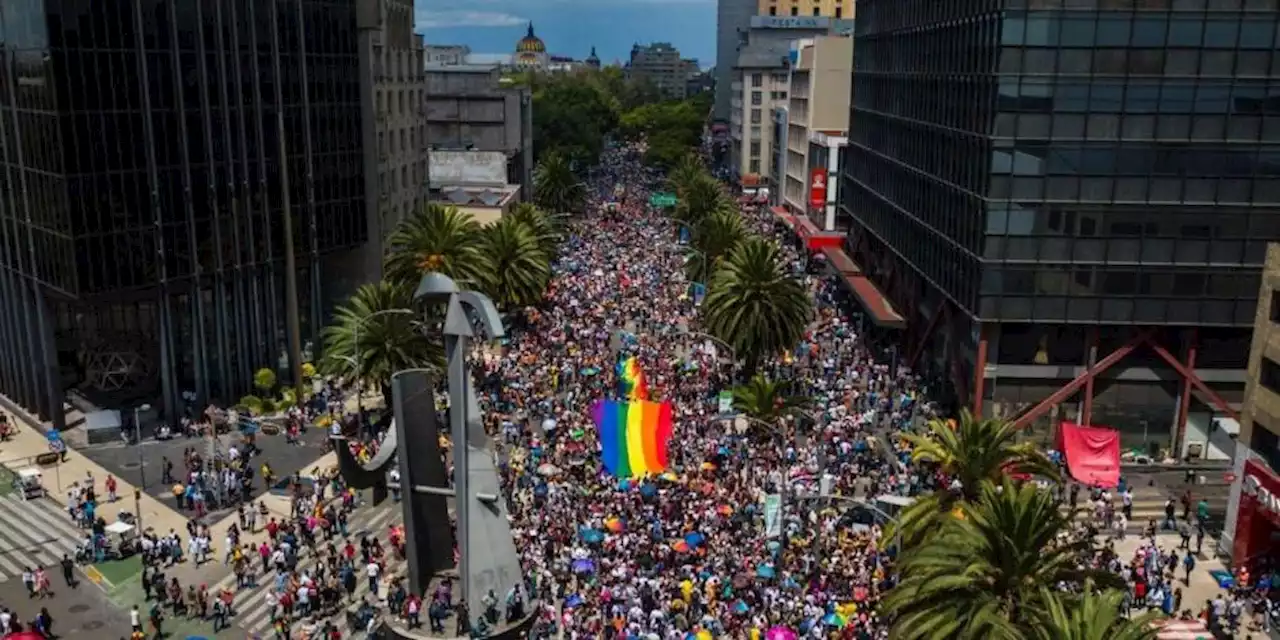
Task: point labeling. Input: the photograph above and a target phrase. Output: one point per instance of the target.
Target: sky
(572, 27)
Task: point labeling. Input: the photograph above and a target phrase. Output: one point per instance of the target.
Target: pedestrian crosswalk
(1148, 504)
(34, 533)
(252, 607)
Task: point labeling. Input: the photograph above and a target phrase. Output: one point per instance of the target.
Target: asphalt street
(37, 533)
(141, 465)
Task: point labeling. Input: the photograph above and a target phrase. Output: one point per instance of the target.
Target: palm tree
(700, 199)
(518, 270)
(555, 187)
(366, 346)
(713, 239)
(982, 577)
(970, 451)
(753, 303)
(548, 228)
(1091, 615)
(437, 238)
(768, 400)
(685, 173)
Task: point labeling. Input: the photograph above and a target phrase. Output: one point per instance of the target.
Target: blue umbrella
(765, 571)
(693, 538)
(624, 484)
(740, 607)
(591, 536)
(572, 601)
(583, 566)
(648, 490)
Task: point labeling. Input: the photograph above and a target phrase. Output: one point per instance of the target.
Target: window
(755, 116)
(757, 80)
(755, 149)
(1269, 374)
(773, 11)
(839, 12)
(755, 164)
(795, 11)
(817, 11)
(757, 98)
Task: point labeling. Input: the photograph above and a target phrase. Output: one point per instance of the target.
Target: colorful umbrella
(780, 633)
(725, 510)
(670, 477)
(835, 620)
(614, 525)
(681, 546)
(591, 536)
(583, 566)
(765, 571)
(694, 538)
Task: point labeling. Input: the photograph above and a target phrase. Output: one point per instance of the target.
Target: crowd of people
(740, 537)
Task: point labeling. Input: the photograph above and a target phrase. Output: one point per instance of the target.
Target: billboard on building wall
(817, 187)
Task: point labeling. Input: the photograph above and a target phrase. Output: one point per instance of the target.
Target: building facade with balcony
(469, 109)
(393, 104)
(818, 102)
(146, 214)
(1252, 521)
(1045, 193)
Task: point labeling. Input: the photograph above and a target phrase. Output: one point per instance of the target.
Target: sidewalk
(28, 442)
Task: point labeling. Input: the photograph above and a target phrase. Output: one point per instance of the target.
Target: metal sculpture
(488, 558)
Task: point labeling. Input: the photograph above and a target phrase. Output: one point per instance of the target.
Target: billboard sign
(818, 187)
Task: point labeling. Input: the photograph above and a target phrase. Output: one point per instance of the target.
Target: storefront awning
(873, 300)
(785, 218)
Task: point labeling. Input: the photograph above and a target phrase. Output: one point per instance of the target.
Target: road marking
(95, 576)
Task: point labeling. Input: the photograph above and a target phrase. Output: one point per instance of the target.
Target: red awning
(785, 218)
(878, 307)
(814, 238)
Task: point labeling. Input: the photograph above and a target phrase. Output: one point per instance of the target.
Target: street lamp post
(142, 465)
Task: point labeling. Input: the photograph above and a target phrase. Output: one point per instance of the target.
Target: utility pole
(290, 261)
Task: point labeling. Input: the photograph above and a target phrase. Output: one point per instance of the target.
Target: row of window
(1173, 62)
(1125, 310)
(1076, 280)
(1156, 253)
(1135, 190)
(1147, 223)
(1136, 95)
(1171, 129)
(837, 13)
(1036, 158)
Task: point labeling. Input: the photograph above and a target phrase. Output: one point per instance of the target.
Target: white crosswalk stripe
(34, 533)
(252, 612)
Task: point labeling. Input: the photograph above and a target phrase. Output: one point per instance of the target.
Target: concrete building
(468, 109)
(733, 19)
(1251, 519)
(818, 103)
(761, 82)
(394, 84)
(660, 64)
(828, 8)
(474, 182)
(438, 55)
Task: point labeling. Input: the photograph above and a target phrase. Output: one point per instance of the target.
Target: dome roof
(592, 57)
(530, 43)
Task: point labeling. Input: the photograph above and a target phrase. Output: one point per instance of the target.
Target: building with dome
(593, 61)
(531, 52)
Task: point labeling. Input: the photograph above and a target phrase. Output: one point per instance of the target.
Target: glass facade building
(141, 189)
(1046, 166)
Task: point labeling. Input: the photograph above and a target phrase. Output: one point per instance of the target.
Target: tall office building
(1044, 193)
(733, 18)
(142, 192)
(661, 64)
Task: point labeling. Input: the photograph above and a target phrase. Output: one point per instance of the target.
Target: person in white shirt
(135, 618)
(372, 571)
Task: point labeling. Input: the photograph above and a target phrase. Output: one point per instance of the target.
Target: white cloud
(444, 19)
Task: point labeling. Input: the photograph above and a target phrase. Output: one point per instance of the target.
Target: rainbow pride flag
(631, 383)
(633, 436)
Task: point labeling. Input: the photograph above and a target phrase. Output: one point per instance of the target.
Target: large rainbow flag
(633, 436)
(631, 382)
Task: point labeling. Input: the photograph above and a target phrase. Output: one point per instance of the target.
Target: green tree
(972, 451)
(556, 188)
(436, 238)
(1093, 614)
(265, 380)
(572, 115)
(982, 577)
(366, 346)
(699, 199)
(548, 228)
(754, 304)
(518, 270)
(685, 173)
(711, 240)
(768, 400)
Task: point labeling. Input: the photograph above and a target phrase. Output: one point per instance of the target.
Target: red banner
(1093, 453)
(818, 188)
